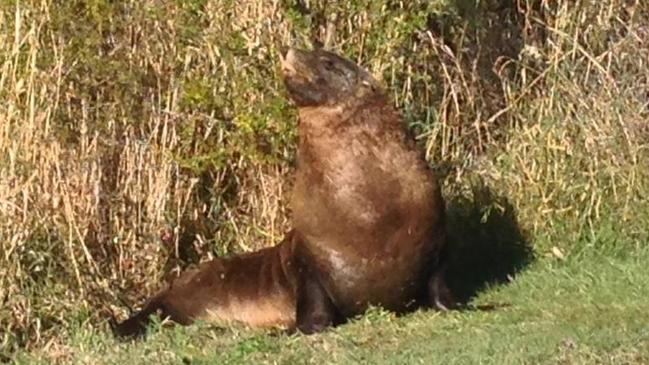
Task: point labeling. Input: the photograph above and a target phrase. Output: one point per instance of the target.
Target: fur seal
(367, 215)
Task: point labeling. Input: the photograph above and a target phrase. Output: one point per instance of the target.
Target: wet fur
(367, 212)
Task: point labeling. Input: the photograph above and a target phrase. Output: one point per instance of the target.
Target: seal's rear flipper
(130, 328)
(137, 324)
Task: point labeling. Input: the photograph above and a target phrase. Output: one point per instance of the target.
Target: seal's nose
(290, 55)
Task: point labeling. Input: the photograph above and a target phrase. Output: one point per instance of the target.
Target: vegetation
(584, 310)
(139, 137)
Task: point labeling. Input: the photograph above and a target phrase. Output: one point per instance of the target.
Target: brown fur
(368, 219)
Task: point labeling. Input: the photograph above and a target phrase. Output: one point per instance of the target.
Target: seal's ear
(317, 44)
(368, 84)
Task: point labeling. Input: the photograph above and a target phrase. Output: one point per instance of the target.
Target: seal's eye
(329, 65)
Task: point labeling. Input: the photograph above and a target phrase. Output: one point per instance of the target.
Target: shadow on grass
(486, 245)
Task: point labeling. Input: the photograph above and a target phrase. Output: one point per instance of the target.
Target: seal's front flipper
(315, 310)
(439, 295)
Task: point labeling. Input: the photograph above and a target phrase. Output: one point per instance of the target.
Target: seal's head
(321, 78)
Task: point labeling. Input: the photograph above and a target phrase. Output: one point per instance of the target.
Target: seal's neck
(377, 114)
(322, 119)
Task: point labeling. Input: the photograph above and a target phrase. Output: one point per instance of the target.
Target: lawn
(589, 307)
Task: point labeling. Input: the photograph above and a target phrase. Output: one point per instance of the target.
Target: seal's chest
(383, 281)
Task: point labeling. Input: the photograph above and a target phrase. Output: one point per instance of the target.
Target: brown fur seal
(368, 219)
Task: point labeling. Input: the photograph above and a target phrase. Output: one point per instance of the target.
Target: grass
(137, 138)
(584, 309)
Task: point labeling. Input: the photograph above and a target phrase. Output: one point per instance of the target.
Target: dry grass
(138, 137)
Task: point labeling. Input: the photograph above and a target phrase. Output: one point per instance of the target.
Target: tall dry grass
(138, 137)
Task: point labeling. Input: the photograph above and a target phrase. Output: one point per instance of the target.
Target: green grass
(588, 308)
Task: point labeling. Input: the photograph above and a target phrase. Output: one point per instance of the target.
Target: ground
(588, 307)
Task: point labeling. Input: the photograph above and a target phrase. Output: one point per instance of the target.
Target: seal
(367, 218)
